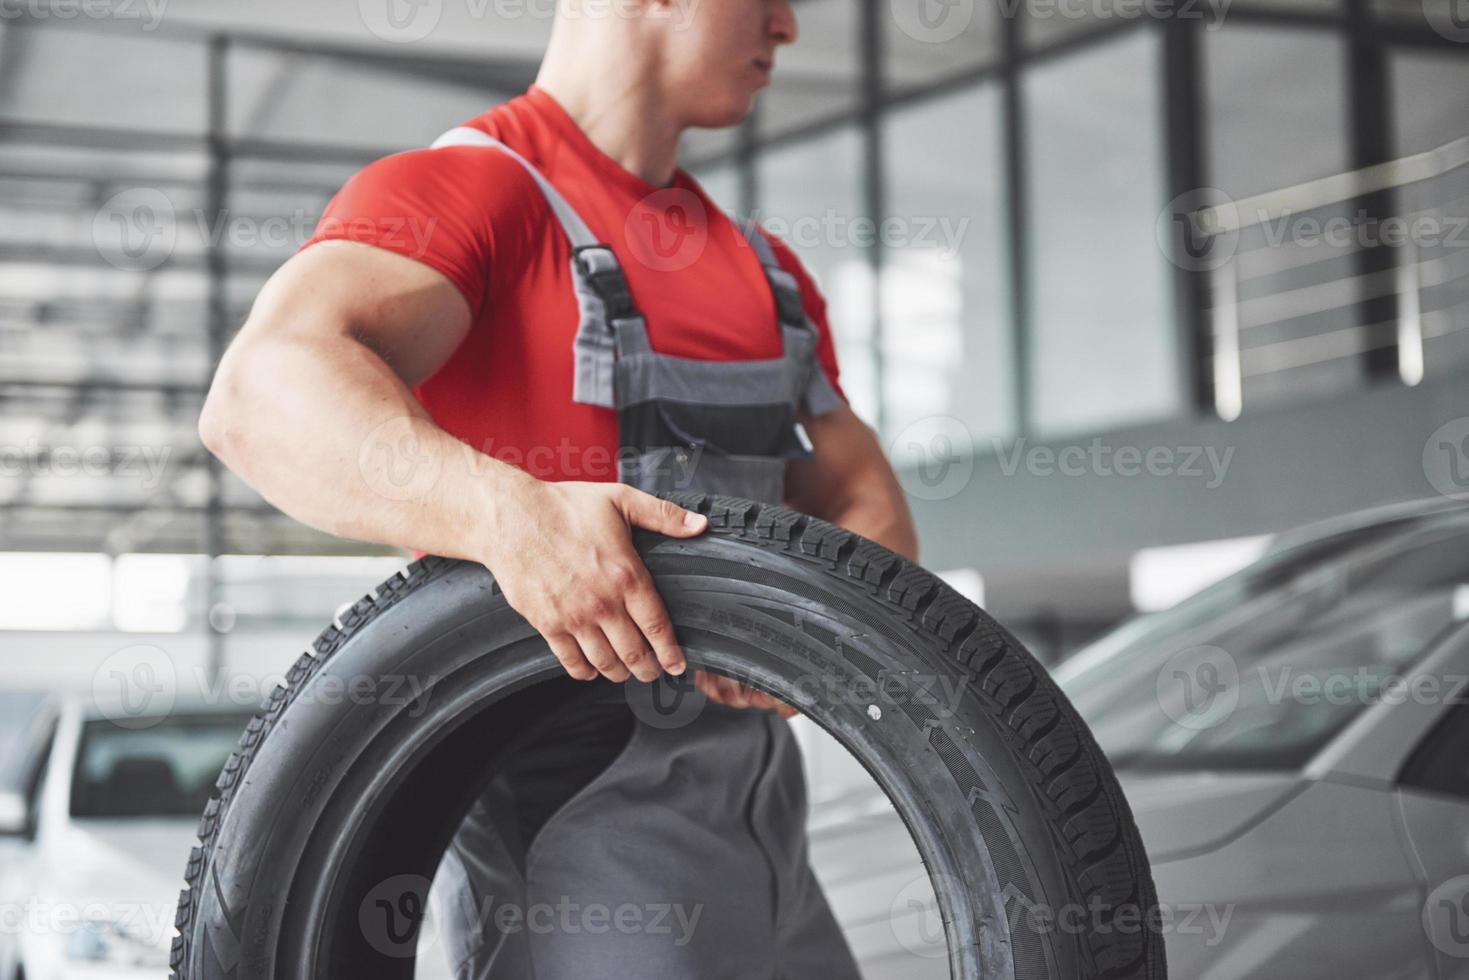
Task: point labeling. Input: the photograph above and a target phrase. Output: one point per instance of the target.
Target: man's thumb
(662, 516)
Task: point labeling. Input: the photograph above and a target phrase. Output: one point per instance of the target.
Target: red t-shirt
(476, 216)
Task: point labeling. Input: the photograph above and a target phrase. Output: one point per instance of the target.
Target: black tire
(1017, 814)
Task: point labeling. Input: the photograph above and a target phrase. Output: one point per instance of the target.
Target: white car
(1294, 742)
(94, 839)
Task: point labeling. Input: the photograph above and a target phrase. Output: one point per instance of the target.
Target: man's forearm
(868, 500)
(851, 483)
(880, 515)
(323, 429)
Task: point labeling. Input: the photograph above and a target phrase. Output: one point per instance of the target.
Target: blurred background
(1127, 287)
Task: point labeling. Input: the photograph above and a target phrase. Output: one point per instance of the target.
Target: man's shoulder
(482, 172)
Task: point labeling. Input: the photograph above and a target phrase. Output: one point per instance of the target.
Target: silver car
(95, 829)
(1295, 744)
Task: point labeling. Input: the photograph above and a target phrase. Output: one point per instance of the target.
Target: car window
(167, 769)
(1263, 674)
(1440, 764)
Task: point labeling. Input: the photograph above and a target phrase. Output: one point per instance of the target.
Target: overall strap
(797, 330)
(610, 321)
(576, 229)
(788, 306)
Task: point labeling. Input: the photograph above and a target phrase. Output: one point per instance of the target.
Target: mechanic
(580, 307)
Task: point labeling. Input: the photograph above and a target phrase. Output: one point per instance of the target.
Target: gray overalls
(609, 848)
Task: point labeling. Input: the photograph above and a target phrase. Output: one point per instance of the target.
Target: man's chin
(723, 116)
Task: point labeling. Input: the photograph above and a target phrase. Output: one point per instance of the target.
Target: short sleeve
(439, 207)
(826, 392)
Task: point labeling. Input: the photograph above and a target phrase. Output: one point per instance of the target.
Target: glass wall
(1280, 116)
(924, 42)
(811, 196)
(1430, 98)
(819, 77)
(1076, 99)
(947, 345)
(1430, 90)
(1103, 341)
(1277, 106)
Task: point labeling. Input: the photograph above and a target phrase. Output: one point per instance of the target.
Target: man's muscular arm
(850, 483)
(312, 407)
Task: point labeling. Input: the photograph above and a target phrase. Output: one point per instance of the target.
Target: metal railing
(1316, 285)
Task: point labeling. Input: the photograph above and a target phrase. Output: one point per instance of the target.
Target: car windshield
(1263, 669)
(166, 769)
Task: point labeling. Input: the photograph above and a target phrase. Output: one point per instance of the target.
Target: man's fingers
(568, 652)
(661, 516)
(631, 647)
(728, 691)
(762, 700)
(651, 618)
(711, 686)
(599, 654)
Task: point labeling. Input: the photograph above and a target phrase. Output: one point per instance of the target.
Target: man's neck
(622, 115)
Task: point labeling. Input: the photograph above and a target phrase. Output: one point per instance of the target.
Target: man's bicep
(408, 313)
(846, 448)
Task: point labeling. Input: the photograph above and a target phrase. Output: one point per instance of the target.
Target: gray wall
(1285, 467)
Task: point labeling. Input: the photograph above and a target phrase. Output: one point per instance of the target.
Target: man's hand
(563, 555)
(724, 690)
(564, 558)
